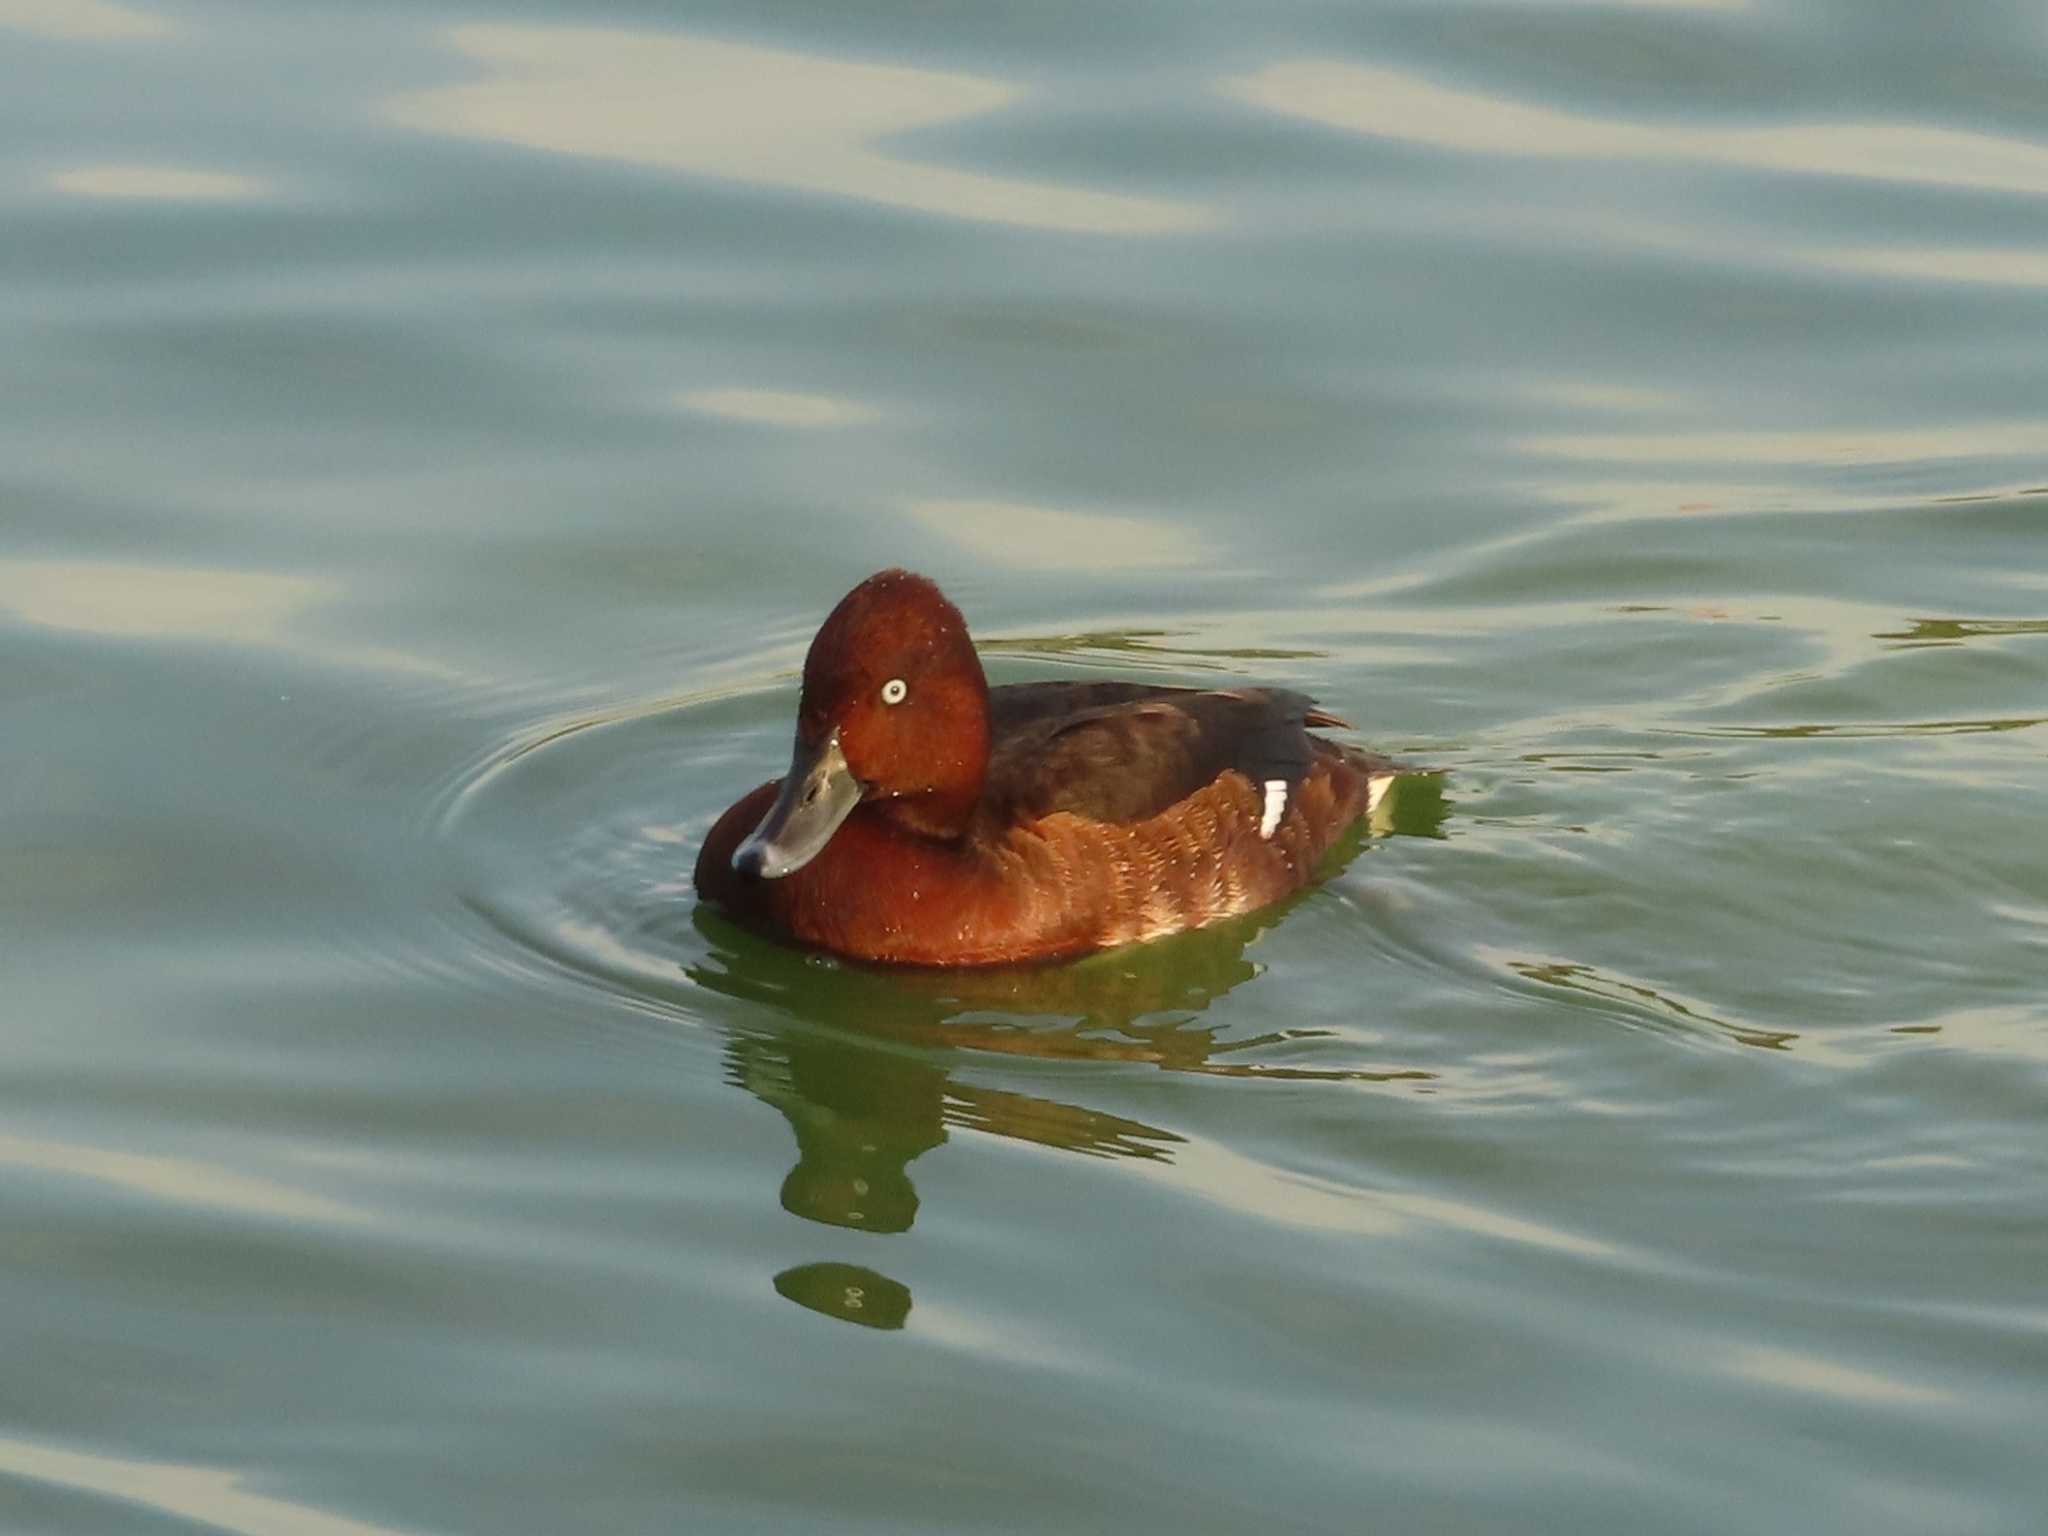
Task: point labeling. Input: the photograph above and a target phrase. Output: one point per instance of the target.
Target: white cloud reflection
(1823, 448)
(171, 602)
(138, 601)
(81, 20)
(1021, 536)
(764, 116)
(202, 1495)
(775, 407)
(1392, 104)
(1990, 265)
(1828, 1378)
(1288, 1198)
(156, 183)
(175, 1179)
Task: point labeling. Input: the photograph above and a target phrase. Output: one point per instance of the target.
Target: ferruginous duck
(929, 819)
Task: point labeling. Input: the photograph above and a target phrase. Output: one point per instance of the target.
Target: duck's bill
(819, 793)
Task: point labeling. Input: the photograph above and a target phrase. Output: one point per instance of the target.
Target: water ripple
(801, 122)
(182, 1491)
(1390, 103)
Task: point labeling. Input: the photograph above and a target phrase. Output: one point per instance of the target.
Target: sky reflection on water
(808, 123)
(432, 440)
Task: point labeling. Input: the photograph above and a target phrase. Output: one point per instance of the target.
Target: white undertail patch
(1276, 807)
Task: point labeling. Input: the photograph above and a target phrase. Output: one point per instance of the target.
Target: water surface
(432, 436)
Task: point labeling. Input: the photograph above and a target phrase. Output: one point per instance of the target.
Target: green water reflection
(861, 1062)
(850, 1292)
(438, 434)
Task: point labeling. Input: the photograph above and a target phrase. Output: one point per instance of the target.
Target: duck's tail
(1381, 773)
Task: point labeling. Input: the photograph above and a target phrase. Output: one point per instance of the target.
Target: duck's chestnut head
(894, 711)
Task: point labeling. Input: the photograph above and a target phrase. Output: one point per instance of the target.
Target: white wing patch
(1276, 807)
(1376, 787)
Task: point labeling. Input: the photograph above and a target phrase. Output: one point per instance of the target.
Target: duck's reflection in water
(861, 1068)
(860, 1062)
(849, 1291)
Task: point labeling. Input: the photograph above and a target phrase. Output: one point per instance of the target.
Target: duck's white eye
(895, 691)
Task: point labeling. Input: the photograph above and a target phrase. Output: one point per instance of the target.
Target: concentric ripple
(574, 844)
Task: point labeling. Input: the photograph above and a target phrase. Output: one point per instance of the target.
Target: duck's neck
(955, 772)
(943, 817)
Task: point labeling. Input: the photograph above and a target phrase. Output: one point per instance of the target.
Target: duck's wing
(1122, 752)
(1020, 707)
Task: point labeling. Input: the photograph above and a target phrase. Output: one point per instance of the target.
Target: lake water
(432, 433)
